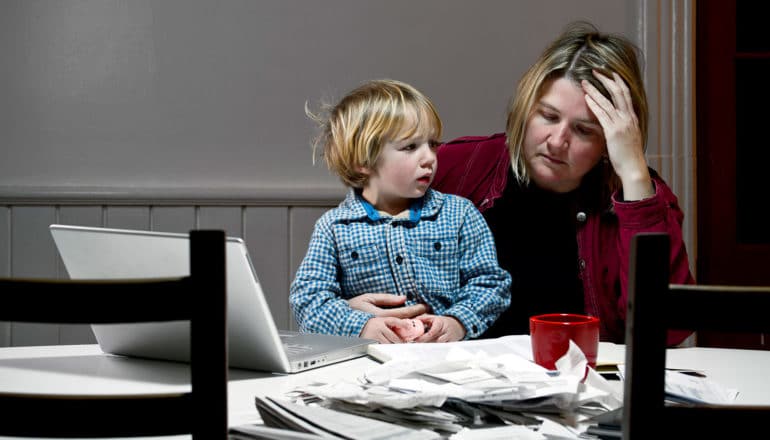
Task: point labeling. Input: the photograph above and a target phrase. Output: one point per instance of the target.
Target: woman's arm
(648, 204)
(659, 213)
(622, 135)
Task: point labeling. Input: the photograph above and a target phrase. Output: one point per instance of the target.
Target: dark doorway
(733, 150)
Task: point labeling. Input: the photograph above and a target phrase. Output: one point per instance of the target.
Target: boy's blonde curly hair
(353, 132)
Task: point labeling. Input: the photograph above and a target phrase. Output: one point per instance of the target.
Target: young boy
(392, 233)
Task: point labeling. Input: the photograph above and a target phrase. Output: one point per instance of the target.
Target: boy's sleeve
(315, 295)
(484, 286)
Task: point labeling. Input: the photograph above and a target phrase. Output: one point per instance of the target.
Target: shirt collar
(415, 209)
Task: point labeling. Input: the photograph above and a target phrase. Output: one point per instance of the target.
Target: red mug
(551, 333)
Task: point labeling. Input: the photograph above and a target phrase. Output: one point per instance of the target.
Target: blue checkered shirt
(443, 255)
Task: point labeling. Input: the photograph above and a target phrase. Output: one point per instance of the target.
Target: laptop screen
(253, 338)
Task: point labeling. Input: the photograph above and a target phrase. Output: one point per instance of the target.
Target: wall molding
(666, 35)
(258, 195)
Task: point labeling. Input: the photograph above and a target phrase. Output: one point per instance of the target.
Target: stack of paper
(449, 387)
(681, 386)
(485, 389)
(328, 424)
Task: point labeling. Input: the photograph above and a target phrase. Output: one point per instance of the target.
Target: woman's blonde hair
(353, 131)
(574, 55)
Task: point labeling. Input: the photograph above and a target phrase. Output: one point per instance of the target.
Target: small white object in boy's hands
(413, 329)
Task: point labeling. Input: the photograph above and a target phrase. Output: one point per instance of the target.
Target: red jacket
(477, 168)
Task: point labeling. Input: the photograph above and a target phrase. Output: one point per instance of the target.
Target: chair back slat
(718, 308)
(654, 307)
(647, 283)
(96, 302)
(199, 298)
(208, 358)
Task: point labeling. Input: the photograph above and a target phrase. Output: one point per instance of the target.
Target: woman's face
(563, 139)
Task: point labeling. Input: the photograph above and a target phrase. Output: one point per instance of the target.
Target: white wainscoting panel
(276, 237)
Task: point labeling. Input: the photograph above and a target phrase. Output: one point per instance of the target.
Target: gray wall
(102, 94)
(174, 114)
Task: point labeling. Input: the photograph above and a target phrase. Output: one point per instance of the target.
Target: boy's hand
(415, 329)
(383, 329)
(441, 329)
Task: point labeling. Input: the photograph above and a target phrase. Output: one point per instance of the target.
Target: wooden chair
(199, 298)
(654, 306)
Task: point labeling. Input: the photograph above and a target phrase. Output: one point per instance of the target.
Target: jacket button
(582, 264)
(354, 255)
(437, 246)
(581, 217)
(399, 259)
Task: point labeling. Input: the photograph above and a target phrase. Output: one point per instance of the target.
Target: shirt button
(582, 264)
(354, 255)
(399, 259)
(581, 217)
(437, 246)
(474, 329)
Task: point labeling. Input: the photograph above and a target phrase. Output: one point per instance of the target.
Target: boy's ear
(366, 171)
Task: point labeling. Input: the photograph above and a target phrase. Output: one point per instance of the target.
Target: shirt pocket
(364, 269)
(436, 266)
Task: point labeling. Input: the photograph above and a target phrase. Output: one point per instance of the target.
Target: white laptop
(254, 341)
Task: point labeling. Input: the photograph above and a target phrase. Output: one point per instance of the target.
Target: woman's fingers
(384, 299)
(405, 312)
(387, 305)
(625, 93)
(599, 112)
(374, 302)
(620, 110)
(613, 86)
(607, 108)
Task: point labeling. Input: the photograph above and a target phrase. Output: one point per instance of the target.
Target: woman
(567, 185)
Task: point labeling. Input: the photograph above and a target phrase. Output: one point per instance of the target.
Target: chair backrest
(654, 307)
(199, 298)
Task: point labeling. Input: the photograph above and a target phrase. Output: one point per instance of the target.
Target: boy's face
(404, 171)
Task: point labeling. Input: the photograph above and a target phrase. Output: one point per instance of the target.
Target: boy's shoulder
(349, 208)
